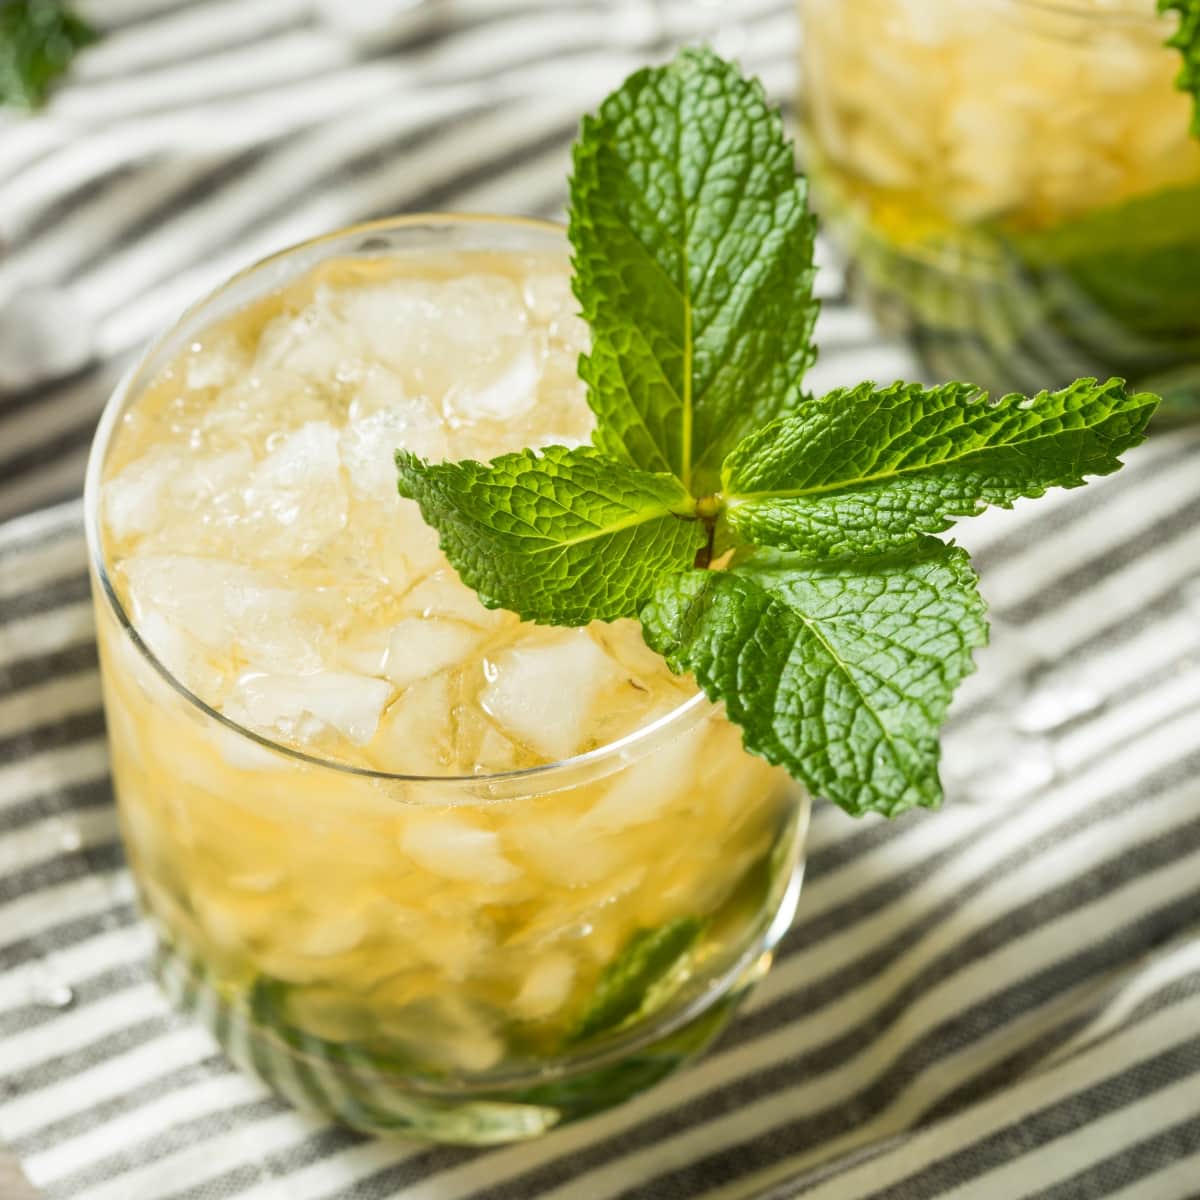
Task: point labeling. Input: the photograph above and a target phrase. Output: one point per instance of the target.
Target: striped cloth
(998, 1001)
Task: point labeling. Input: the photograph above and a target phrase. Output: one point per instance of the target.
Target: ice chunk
(257, 881)
(645, 790)
(463, 1037)
(414, 736)
(364, 652)
(369, 443)
(448, 844)
(420, 648)
(547, 987)
(244, 753)
(502, 387)
(133, 500)
(379, 389)
(180, 654)
(559, 850)
(415, 540)
(443, 594)
(875, 157)
(295, 496)
(434, 327)
(988, 159)
(543, 692)
(623, 641)
(168, 483)
(302, 707)
(210, 477)
(228, 608)
(493, 753)
(213, 363)
(332, 934)
(549, 299)
(313, 343)
(236, 919)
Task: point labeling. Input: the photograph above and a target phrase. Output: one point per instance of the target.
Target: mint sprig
(834, 628)
(1186, 40)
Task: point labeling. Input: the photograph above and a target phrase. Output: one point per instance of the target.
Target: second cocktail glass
(1016, 183)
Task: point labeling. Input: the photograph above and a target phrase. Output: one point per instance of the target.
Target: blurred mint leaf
(840, 671)
(38, 40)
(868, 469)
(562, 536)
(636, 980)
(1186, 40)
(693, 260)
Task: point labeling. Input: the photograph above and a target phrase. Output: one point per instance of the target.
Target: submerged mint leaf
(634, 981)
(693, 258)
(563, 536)
(839, 671)
(869, 469)
(1127, 275)
(1186, 40)
(38, 40)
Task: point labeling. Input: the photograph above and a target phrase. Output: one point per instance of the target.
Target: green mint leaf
(636, 980)
(1125, 275)
(693, 259)
(564, 536)
(38, 40)
(869, 469)
(1186, 40)
(839, 671)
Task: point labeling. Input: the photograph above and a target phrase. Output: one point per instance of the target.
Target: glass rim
(1082, 10)
(642, 739)
(1086, 11)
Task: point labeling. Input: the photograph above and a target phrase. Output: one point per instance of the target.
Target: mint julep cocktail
(356, 934)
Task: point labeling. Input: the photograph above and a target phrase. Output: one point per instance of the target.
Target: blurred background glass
(1016, 183)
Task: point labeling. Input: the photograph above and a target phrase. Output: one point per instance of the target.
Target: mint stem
(704, 555)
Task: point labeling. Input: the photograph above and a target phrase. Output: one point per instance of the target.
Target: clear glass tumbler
(1015, 182)
(466, 959)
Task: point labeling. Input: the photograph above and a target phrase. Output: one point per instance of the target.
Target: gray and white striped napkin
(998, 1001)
